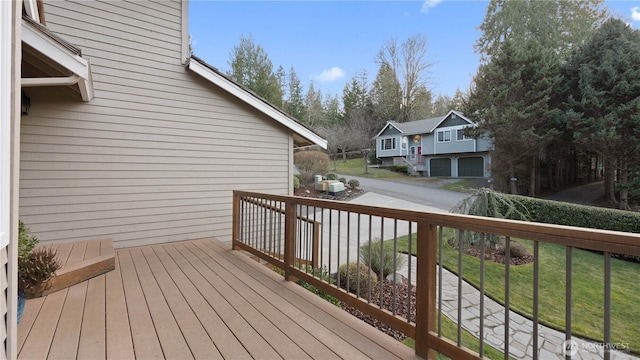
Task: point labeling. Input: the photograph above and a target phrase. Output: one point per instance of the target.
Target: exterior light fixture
(25, 104)
(416, 138)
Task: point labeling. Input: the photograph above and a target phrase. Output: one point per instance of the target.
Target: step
(81, 261)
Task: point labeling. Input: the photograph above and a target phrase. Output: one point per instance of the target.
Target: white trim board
(44, 44)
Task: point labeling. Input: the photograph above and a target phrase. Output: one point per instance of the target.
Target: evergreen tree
(558, 25)
(510, 100)
(252, 68)
(603, 82)
(295, 97)
(385, 96)
(314, 112)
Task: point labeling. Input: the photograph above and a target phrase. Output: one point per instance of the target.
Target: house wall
(154, 157)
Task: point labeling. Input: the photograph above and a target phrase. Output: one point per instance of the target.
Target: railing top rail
(591, 239)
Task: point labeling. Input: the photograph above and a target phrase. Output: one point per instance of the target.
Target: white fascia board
(389, 123)
(457, 114)
(58, 53)
(259, 105)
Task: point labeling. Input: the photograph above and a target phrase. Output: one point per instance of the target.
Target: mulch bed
(310, 192)
(491, 254)
(402, 291)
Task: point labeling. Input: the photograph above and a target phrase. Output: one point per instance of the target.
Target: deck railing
(310, 238)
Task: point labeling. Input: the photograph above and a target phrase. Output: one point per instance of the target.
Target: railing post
(289, 237)
(426, 289)
(235, 222)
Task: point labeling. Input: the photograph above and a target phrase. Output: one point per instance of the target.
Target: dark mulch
(401, 308)
(491, 254)
(310, 192)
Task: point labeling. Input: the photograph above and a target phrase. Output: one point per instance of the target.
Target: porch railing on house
(311, 238)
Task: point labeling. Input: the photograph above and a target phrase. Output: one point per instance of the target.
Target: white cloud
(428, 4)
(635, 13)
(332, 74)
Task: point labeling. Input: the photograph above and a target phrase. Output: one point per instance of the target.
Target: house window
(388, 144)
(461, 136)
(444, 136)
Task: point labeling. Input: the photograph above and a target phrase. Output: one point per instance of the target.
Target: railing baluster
(459, 288)
(358, 258)
(369, 257)
(409, 267)
(440, 285)
(536, 294)
(507, 292)
(607, 305)
(482, 250)
(348, 252)
(567, 306)
(395, 266)
(381, 275)
(338, 247)
(330, 236)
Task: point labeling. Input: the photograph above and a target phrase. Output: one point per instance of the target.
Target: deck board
(194, 299)
(92, 340)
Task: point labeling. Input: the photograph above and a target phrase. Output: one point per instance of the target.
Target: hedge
(561, 213)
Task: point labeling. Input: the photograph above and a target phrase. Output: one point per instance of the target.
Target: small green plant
(332, 176)
(296, 182)
(381, 260)
(353, 184)
(343, 180)
(323, 274)
(26, 241)
(358, 279)
(36, 270)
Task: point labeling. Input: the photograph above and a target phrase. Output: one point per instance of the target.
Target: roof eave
(216, 78)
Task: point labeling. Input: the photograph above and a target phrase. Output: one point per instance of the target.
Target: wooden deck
(196, 299)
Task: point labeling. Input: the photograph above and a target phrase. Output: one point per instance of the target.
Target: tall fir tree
(251, 67)
(603, 87)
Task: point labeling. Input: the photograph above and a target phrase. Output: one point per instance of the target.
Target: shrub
(26, 241)
(350, 282)
(332, 176)
(381, 261)
(516, 250)
(343, 180)
(353, 183)
(488, 203)
(311, 163)
(323, 274)
(399, 168)
(296, 182)
(36, 271)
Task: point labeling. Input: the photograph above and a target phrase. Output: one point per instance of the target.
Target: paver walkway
(551, 342)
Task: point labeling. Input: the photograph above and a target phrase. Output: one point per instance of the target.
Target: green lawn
(588, 289)
(355, 167)
(450, 331)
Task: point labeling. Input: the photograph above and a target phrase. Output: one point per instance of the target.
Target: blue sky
(328, 42)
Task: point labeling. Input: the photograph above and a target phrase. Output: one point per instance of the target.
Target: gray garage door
(440, 167)
(471, 166)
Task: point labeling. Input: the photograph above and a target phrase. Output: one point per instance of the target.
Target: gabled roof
(302, 135)
(424, 126)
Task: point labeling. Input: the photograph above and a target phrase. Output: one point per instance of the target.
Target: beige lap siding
(154, 157)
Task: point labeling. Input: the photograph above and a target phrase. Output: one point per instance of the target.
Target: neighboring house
(127, 136)
(435, 147)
